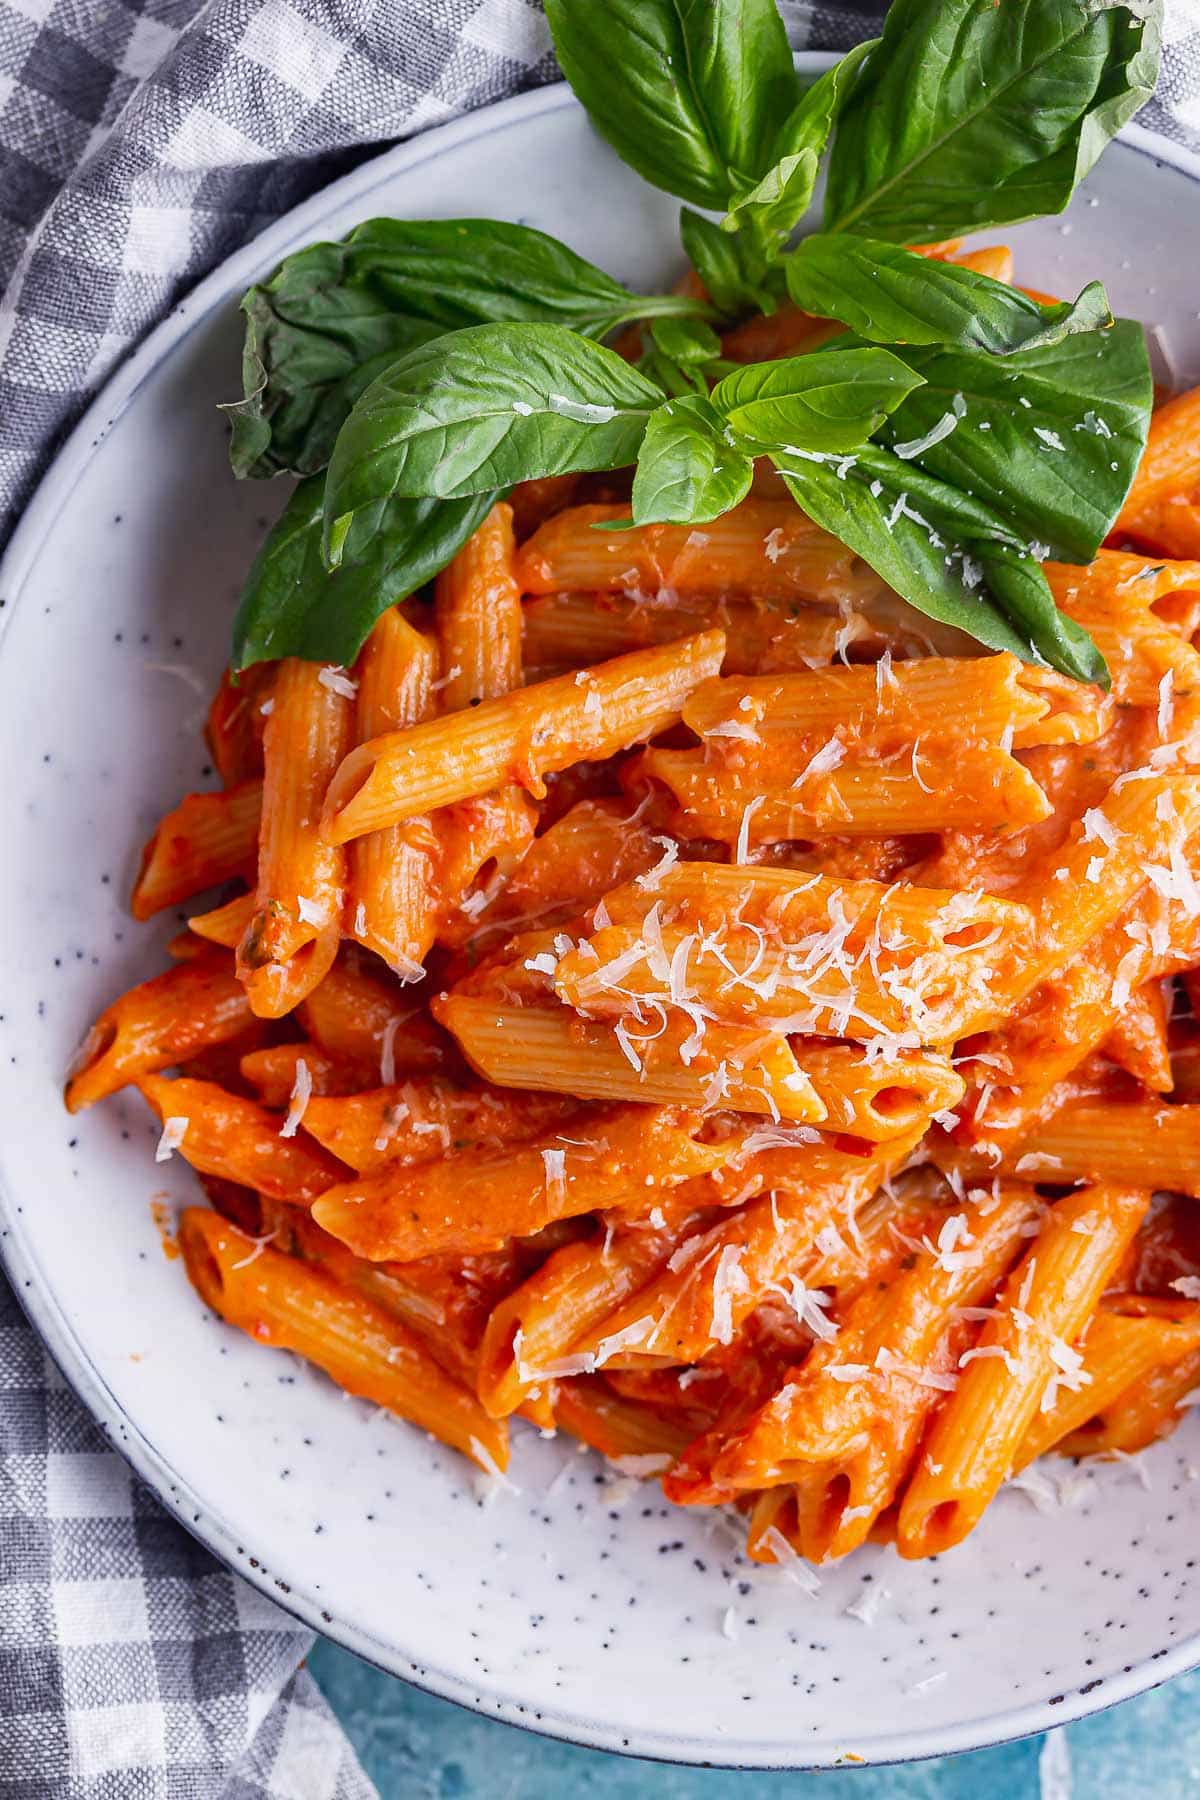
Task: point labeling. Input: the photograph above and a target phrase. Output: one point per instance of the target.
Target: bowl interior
(578, 1603)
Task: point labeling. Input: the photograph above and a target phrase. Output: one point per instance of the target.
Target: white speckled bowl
(564, 1606)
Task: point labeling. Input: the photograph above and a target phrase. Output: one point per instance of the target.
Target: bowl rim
(237, 1550)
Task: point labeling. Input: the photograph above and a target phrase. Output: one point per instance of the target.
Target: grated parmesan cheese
(387, 1051)
(173, 1133)
(1166, 703)
(889, 1364)
(652, 878)
(302, 1089)
(337, 681)
(729, 1279)
(829, 757)
(936, 433)
(1097, 826)
(741, 852)
(554, 1163)
(792, 1565)
(869, 1603)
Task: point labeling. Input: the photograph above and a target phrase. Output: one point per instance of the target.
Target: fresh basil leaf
(812, 118)
(291, 605)
(973, 114)
(301, 380)
(1053, 435)
(483, 408)
(733, 266)
(333, 316)
(673, 378)
(777, 203)
(1018, 583)
(687, 342)
(891, 296)
(687, 469)
(690, 93)
(831, 402)
(779, 200)
(935, 547)
(680, 355)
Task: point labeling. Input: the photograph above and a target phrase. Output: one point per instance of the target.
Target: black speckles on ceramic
(580, 1604)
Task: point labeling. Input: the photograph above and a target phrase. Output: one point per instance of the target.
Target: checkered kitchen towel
(140, 142)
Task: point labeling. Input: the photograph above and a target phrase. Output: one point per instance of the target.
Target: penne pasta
(593, 847)
(159, 1025)
(234, 727)
(273, 1073)
(366, 1350)
(530, 1333)
(205, 840)
(478, 610)
(927, 790)
(842, 1395)
(714, 1280)
(1126, 1343)
(803, 953)
(522, 736)
(964, 700)
(224, 925)
(474, 1199)
(743, 1068)
(619, 1428)
(372, 1024)
(292, 938)
(1042, 1308)
(877, 1097)
(1116, 1140)
(1138, 1041)
(1115, 598)
(1146, 1411)
(222, 1134)
(571, 630)
(392, 902)
(420, 1120)
(1162, 508)
(762, 546)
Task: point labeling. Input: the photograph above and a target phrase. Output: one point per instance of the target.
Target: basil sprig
(948, 554)
(892, 296)
(334, 316)
(690, 93)
(778, 201)
(965, 114)
(690, 468)
(955, 434)
(983, 463)
(972, 114)
(327, 324)
(480, 409)
(1051, 437)
(697, 457)
(292, 605)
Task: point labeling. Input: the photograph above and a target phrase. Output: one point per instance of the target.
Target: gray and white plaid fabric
(140, 142)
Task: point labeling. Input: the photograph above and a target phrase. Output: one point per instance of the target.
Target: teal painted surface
(417, 1748)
